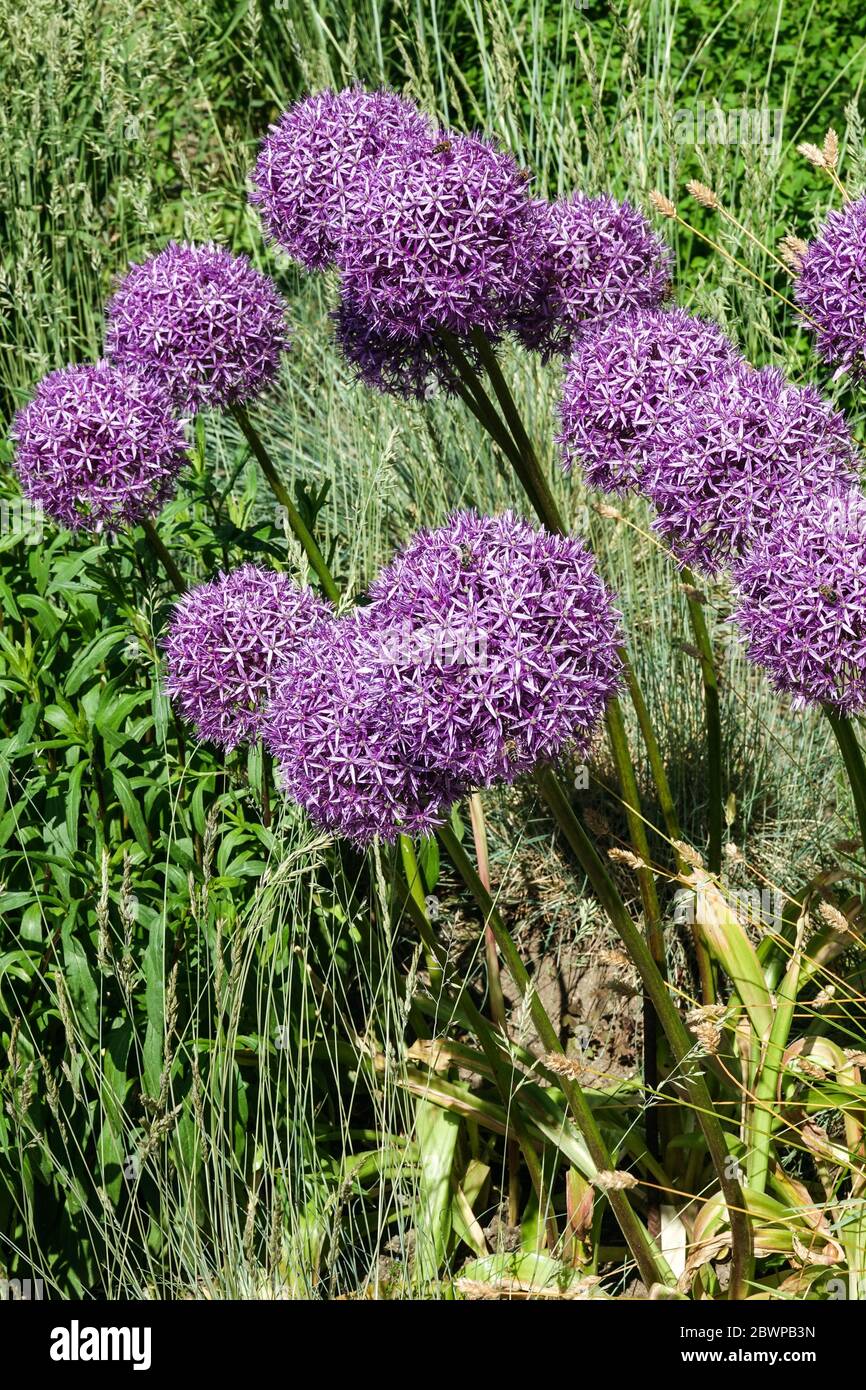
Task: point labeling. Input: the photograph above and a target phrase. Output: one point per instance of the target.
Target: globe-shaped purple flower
(831, 288)
(413, 369)
(732, 460)
(98, 447)
(341, 752)
(229, 641)
(622, 374)
(304, 181)
(596, 259)
(802, 603)
(203, 322)
(500, 643)
(446, 240)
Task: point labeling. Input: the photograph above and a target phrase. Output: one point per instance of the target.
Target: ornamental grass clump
(98, 447)
(306, 179)
(500, 643)
(203, 322)
(831, 288)
(801, 604)
(595, 259)
(622, 374)
(228, 643)
(732, 461)
(340, 749)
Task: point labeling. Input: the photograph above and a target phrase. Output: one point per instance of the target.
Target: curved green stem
(490, 1043)
(531, 472)
(283, 496)
(713, 726)
(764, 1117)
(531, 476)
(414, 882)
(524, 460)
(494, 987)
(637, 832)
(651, 910)
(494, 981)
(477, 401)
(653, 1268)
(163, 554)
(657, 767)
(852, 757)
(680, 1043)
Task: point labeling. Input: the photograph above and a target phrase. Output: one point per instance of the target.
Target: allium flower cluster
(340, 750)
(596, 258)
(305, 179)
(831, 288)
(500, 644)
(412, 368)
(731, 461)
(203, 322)
(228, 643)
(446, 239)
(622, 375)
(98, 447)
(802, 604)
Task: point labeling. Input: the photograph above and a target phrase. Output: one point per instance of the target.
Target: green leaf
(131, 808)
(82, 987)
(73, 802)
(436, 1131)
(154, 998)
(428, 858)
(93, 656)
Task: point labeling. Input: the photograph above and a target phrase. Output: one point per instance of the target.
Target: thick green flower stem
(672, 824)
(653, 1268)
(742, 1259)
(852, 757)
(283, 496)
(494, 987)
(494, 982)
(491, 1044)
(520, 452)
(763, 1115)
(713, 722)
(531, 476)
(539, 489)
(651, 910)
(164, 556)
(476, 400)
(657, 767)
(637, 832)
(415, 884)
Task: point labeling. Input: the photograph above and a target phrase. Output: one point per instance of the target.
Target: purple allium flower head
(98, 447)
(305, 179)
(412, 368)
(596, 258)
(202, 321)
(621, 375)
(501, 644)
(831, 288)
(229, 641)
(446, 239)
(341, 752)
(802, 603)
(731, 460)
